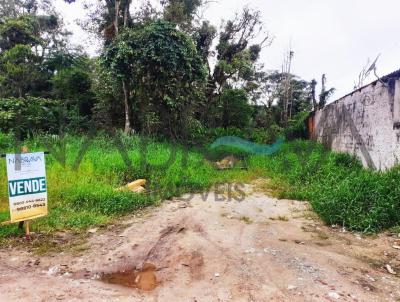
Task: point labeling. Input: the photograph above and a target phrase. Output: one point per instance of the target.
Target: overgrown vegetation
(87, 196)
(339, 189)
(336, 185)
(163, 73)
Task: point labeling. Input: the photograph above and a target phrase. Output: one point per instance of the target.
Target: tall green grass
(83, 195)
(336, 185)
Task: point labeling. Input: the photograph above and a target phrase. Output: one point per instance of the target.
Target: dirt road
(260, 249)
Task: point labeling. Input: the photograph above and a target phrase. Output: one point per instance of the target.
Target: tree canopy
(163, 70)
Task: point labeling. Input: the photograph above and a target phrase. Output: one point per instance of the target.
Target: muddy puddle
(144, 279)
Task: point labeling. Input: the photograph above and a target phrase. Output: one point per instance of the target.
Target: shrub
(297, 127)
(6, 141)
(236, 108)
(27, 115)
(204, 137)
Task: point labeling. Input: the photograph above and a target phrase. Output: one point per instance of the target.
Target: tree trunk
(126, 13)
(128, 128)
(117, 4)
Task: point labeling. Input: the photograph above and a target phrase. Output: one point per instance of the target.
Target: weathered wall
(365, 123)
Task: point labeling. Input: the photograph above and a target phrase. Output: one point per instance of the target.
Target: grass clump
(337, 186)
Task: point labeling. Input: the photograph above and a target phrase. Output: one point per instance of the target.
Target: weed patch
(336, 185)
(82, 185)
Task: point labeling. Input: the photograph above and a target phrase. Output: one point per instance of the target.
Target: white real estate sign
(27, 187)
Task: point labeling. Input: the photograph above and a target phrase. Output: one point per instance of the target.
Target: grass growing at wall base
(340, 191)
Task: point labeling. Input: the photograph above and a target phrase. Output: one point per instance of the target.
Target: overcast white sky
(335, 37)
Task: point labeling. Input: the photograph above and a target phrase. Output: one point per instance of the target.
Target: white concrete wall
(365, 123)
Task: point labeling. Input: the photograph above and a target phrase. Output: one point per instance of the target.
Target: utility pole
(287, 89)
(322, 98)
(313, 98)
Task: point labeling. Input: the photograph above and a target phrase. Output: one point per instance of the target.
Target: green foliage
(29, 77)
(18, 70)
(6, 142)
(297, 128)
(29, 115)
(266, 135)
(73, 83)
(204, 136)
(237, 110)
(337, 186)
(204, 37)
(159, 60)
(269, 89)
(108, 108)
(180, 12)
(236, 60)
(105, 200)
(19, 31)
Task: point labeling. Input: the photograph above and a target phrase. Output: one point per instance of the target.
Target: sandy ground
(260, 249)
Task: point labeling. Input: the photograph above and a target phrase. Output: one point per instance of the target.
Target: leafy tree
(19, 31)
(34, 23)
(236, 56)
(36, 64)
(16, 8)
(162, 69)
(271, 93)
(108, 109)
(204, 37)
(18, 70)
(107, 17)
(181, 12)
(27, 42)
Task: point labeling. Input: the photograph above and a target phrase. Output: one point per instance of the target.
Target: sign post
(27, 187)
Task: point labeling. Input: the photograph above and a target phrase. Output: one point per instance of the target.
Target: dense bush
(297, 128)
(161, 68)
(6, 141)
(24, 115)
(203, 136)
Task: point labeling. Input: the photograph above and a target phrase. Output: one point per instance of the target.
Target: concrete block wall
(365, 123)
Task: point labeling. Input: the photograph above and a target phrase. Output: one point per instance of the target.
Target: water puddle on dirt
(144, 279)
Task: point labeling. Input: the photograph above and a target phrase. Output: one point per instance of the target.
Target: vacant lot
(200, 249)
(83, 175)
